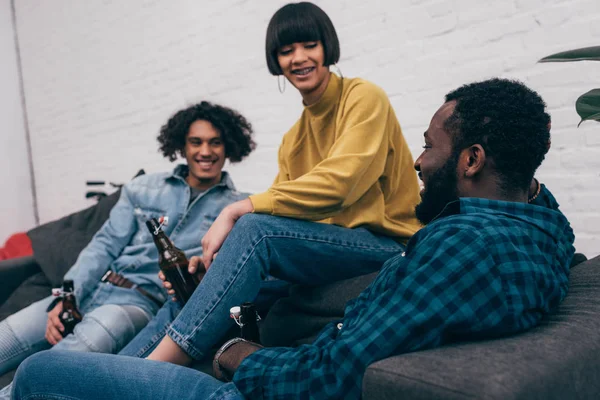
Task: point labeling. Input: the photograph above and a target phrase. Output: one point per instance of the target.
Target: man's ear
(472, 160)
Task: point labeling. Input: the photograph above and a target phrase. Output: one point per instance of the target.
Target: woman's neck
(310, 98)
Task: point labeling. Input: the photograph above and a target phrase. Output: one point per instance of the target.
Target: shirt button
(339, 326)
(403, 253)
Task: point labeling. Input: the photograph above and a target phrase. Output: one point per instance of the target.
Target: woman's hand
(218, 232)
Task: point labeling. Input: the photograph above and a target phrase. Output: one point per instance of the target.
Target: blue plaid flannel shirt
(483, 268)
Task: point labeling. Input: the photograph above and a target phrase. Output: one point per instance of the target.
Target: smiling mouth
(303, 71)
(206, 163)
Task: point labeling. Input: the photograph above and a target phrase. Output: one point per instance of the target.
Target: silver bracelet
(223, 348)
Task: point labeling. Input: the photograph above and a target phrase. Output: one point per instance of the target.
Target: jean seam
(44, 396)
(292, 235)
(24, 347)
(153, 340)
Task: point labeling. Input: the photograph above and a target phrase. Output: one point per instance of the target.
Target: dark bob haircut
(235, 130)
(300, 22)
(509, 121)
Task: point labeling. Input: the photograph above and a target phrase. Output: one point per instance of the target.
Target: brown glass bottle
(70, 315)
(173, 263)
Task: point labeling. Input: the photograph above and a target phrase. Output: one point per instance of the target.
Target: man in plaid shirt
(492, 260)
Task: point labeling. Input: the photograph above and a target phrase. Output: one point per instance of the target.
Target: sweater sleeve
(354, 163)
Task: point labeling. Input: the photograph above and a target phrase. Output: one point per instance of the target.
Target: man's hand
(54, 327)
(232, 357)
(195, 266)
(167, 285)
(218, 232)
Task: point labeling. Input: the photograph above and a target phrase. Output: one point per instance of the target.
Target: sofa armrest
(13, 272)
(554, 361)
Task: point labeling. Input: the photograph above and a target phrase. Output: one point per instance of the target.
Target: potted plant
(588, 104)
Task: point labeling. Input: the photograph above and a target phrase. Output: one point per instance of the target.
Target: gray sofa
(560, 359)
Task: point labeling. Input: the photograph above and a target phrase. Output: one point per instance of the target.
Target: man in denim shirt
(191, 197)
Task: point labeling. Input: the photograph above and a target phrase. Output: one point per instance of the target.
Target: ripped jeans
(105, 329)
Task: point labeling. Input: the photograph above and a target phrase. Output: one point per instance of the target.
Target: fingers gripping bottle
(70, 315)
(172, 262)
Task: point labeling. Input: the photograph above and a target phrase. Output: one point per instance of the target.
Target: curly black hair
(509, 121)
(235, 130)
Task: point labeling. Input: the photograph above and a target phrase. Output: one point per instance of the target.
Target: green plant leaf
(583, 54)
(588, 106)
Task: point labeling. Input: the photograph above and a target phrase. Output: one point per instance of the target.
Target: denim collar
(181, 172)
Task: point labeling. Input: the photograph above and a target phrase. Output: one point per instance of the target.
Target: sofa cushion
(298, 318)
(57, 244)
(556, 360)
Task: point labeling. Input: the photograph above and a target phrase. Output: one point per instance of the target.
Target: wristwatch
(217, 367)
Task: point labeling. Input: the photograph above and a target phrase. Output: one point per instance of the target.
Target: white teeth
(303, 71)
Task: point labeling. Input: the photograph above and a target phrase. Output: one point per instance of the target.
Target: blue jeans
(106, 328)
(147, 340)
(58, 375)
(261, 245)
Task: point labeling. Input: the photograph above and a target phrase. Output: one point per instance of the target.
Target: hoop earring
(338, 70)
(280, 85)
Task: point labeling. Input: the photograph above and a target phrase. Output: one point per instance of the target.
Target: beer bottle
(247, 319)
(173, 263)
(70, 315)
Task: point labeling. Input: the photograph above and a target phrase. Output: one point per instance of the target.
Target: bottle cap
(153, 226)
(235, 312)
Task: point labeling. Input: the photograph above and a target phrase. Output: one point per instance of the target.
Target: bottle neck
(162, 241)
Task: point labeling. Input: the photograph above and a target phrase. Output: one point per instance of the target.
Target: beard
(440, 190)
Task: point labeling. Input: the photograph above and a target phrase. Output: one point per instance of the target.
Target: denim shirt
(124, 244)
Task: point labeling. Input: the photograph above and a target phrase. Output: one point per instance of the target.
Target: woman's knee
(252, 221)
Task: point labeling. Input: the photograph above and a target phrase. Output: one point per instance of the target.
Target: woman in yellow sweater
(342, 202)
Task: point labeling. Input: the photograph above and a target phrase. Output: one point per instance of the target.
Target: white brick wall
(16, 201)
(102, 76)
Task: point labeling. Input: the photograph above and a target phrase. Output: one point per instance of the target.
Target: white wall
(102, 76)
(16, 201)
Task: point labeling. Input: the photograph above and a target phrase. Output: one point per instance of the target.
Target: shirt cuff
(262, 203)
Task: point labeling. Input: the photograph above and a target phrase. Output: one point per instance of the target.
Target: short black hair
(509, 121)
(300, 22)
(235, 130)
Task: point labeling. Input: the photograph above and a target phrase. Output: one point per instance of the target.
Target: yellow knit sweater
(345, 162)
